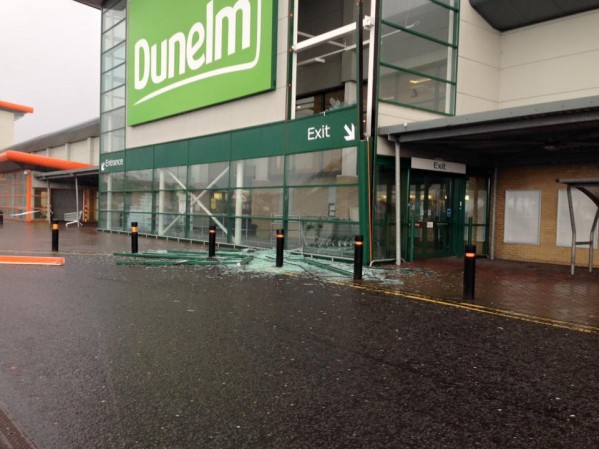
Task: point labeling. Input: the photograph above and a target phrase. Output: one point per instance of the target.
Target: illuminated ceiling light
(420, 81)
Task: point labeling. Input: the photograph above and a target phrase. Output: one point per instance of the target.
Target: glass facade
(112, 105)
(418, 54)
(314, 196)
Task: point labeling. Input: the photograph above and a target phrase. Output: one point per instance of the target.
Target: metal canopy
(590, 187)
(545, 134)
(505, 15)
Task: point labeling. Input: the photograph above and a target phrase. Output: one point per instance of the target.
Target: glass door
(430, 211)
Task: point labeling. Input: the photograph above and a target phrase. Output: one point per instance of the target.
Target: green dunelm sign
(189, 54)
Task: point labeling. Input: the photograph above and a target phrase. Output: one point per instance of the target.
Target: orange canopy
(42, 161)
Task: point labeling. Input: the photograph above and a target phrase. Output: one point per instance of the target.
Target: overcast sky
(50, 60)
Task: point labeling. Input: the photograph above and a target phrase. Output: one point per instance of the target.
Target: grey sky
(50, 60)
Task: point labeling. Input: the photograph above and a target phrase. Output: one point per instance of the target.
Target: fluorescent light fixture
(420, 80)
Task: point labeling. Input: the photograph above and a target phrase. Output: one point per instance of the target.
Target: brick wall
(543, 179)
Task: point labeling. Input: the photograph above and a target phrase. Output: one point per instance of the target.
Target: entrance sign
(438, 166)
(189, 54)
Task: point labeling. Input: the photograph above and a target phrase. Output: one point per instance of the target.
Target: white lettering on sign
(111, 163)
(317, 133)
(203, 44)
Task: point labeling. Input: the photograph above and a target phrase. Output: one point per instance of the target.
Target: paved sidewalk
(541, 290)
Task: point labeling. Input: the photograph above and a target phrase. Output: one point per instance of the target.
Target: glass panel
(112, 120)
(208, 201)
(262, 202)
(200, 225)
(214, 175)
(172, 225)
(414, 53)
(114, 78)
(323, 202)
(328, 238)
(113, 141)
(324, 167)
(261, 172)
(172, 178)
(171, 201)
(476, 208)
(421, 16)
(113, 99)
(112, 182)
(113, 57)
(139, 180)
(114, 15)
(114, 36)
(113, 201)
(414, 90)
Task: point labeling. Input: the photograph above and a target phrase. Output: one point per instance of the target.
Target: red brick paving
(542, 290)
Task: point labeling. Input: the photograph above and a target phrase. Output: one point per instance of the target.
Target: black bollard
(212, 241)
(358, 256)
(469, 271)
(134, 237)
(54, 235)
(1, 217)
(280, 246)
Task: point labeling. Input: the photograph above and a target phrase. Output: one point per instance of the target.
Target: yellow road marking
(480, 309)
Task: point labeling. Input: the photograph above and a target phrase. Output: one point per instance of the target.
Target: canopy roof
(505, 15)
(546, 134)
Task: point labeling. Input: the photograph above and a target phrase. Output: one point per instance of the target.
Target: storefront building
(52, 176)
(255, 115)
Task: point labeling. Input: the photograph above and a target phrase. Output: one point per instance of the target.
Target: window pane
(414, 90)
(208, 201)
(203, 176)
(114, 119)
(114, 36)
(113, 57)
(414, 53)
(324, 167)
(422, 16)
(112, 141)
(114, 15)
(172, 178)
(113, 99)
(139, 180)
(261, 172)
(113, 182)
(323, 202)
(263, 202)
(114, 78)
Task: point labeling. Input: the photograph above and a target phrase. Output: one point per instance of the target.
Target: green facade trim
(139, 158)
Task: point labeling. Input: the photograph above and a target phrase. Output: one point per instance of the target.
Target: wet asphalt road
(96, 355)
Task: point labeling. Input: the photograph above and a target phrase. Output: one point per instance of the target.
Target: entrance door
(430, 210)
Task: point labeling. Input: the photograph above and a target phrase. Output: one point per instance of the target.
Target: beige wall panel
(478, 80)
(561, 38)
(7, 133)
(390, 115)
(574, 75)
(79, 151)
(253, 111)
(468, 104)
(60, 152)
(481, 45)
